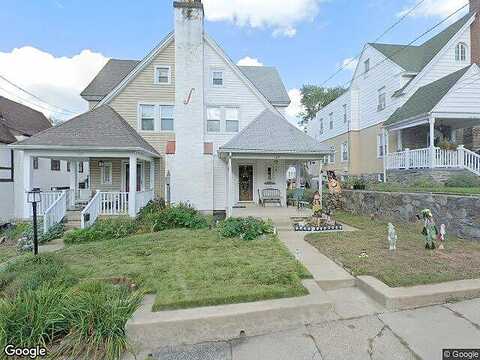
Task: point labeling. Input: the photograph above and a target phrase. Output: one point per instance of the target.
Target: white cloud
(282, 17)
(248, 61)
(350, 64)
(295, 106)
(57, 80)
(442, 8)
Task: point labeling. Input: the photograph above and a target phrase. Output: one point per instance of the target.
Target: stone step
(73, 224)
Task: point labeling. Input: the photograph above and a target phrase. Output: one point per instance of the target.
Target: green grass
(7, 252)
(439, 189)
(410, 265)
(191, 268)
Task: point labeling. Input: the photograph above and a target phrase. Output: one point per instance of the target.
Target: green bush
(114, 228)
(97, 313)
(245, 228)
(153, 207)
(175, 216)
(466, 181)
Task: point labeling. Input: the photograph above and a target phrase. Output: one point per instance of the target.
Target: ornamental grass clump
(106, 229)
(248, 228)
(173, 217)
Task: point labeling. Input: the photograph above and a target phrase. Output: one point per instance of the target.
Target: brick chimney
(475, 32)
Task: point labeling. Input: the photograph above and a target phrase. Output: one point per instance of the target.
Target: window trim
(225, 108)
(381, 144)
(331, 156)
(223, 118)
(321, 128)
(155, 75)
(366, 67)
(157, 117)
(344, 144)
(214, 70)
(35, 163)
(330, 121)
(458, 51)
(345, 113)
(102, 173)
(80, 167)
(59, 165)
(382, 92)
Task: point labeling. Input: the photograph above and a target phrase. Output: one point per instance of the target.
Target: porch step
(71, 225)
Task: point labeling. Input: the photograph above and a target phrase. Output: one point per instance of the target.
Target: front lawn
(7, 252)
(410, 265)
(190, 268)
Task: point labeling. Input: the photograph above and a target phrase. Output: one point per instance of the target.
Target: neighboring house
(184, 123)
(405, 98)
(18, 122)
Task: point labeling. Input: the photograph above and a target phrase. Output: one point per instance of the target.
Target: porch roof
(424, 100)
(99, 129)
(271, 133)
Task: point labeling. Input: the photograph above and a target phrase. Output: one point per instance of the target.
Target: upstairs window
(345, 113)
(382, 99)
(331, 121)
(213, 119)
(153, 117)
(163, 75)
(167, 116)
(217, 78)
(147, 117)
(55, 165)
(366, 67)
(461, 52)
(231, 119)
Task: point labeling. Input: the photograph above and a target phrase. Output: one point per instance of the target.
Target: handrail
(471, 161)
(56, 212)
(92, 208)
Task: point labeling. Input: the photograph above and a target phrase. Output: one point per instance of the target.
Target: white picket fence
(423, 158)
(55, 212)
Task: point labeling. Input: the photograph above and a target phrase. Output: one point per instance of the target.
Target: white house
(419, 95)
(18, 122)
(184, 123)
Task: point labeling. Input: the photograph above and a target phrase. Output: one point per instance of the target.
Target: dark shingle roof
(102, 127)
(110, 76)
(267, 80)
(415, 58)
(426, 98)
(19, 119)
(271, 133)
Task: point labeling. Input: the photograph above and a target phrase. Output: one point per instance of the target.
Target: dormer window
(217, 78)
(163, 75)
(461, 52)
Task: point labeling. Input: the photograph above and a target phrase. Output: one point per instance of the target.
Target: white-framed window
(270, 173)
(55, 165)
(461, 52)
(320, 126)
(345, 151)
(330, 116)
(106, 173)
(366, 67)
(345, 116)
(156, 117)
(381, 145)
(163, 75)
(35, 163)
(232, 119)
(217, 77)
(382, 99)
(331, 156)
(214, 117)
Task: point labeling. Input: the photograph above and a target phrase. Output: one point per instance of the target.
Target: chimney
(475, 32)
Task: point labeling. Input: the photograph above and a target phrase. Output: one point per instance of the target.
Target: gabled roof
(111, 74)
(18, 119)
(427, 97)
(415, 58)
(101, 127)
(272, 133)
(267, 80)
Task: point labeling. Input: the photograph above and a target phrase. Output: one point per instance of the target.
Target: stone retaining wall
(407, 177)
(461, 214)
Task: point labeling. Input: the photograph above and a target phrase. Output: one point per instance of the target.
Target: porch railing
(142, 198)
(56, 212)
(47, 199)
(114, 203)
(423, 158)
(91, 212)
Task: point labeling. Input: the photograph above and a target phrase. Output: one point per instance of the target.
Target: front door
(245, 181)
(139, 177)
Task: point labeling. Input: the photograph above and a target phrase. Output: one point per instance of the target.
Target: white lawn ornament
(298, 254)
(442, 236)
(392, 237)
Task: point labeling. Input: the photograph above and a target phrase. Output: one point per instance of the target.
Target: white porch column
(385, 154)
(132, 185)
(152, 175)
(73, 182)
(399, 140)
(27, 183)
(432, 142)
(229, 187)
(297, 175)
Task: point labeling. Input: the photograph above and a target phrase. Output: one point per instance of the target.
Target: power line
(390, 28)
(62, 110)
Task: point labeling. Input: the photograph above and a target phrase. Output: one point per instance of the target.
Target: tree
(314, 98)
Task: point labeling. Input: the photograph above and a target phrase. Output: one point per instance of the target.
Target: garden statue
(442, 236)
(317, 208)
(334, 189)
(429, 229)
(392, 237)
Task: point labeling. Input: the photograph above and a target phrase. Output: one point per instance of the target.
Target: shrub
(153, 207)
(175, 216)
(97, 315)
(467, 181)
(107, 229)
(25, 243)
(245, 228)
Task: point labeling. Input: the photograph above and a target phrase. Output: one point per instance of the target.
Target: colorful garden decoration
(429, 231)
(317, 208)
(442, 236)
(392, 237)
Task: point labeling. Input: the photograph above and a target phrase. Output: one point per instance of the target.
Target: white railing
(419, 158)
(114, 203)
(56, 212)
(446, 158)
(47, 199)
(470, 161)
(91, 212)
(142, 198)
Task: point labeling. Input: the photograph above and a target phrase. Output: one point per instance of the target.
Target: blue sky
(329, 31)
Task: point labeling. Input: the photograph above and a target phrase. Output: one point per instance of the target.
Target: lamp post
(33, 197)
